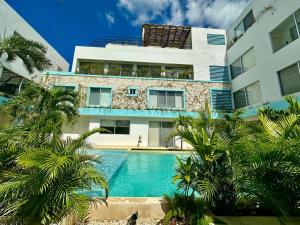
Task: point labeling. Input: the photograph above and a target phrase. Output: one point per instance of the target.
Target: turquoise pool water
(137, 174)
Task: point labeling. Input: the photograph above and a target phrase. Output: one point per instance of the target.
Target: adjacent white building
(264, 54)
(15, 72)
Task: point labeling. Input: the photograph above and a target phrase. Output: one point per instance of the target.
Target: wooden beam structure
(166, 36)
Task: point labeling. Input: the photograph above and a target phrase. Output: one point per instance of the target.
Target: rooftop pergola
(166, 36)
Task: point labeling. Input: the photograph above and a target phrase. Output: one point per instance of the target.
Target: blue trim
(62, 73)
(166, 89)
(88, 95)
(225, 100)
(137, 113)
(219, 73)
(133, 88)
(3, 100)
(65, 85)
(216, 39)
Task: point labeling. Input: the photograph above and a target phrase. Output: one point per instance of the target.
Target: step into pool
(137, 174)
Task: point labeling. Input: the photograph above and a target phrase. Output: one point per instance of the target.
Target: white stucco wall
(11, 21)
(138, 126)
(200, 56)
(267, 63)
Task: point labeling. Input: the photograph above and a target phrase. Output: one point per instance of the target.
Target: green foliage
(184, 210)
(240, 167)
(42, 176)
(32, 53)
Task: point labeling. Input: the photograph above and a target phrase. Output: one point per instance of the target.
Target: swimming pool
(137, 174)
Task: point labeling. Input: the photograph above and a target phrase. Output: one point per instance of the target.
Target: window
(166, 99)
(120, 69)
(99, 97)
(247, 96)
(219, 73)
(221, 100)
(245, 24)
(148, 71)
(215, 39)
(65, 87)
(94, 68)
(286, 32)
(132, 91)
(290, 80)
(243, 64)
(116, 126)
(184, 72)
(248, 60)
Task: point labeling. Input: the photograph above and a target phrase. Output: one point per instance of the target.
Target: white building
(136, 92)
(264, 54)
(10, 22)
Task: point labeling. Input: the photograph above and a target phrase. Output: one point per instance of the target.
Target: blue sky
(67, 23)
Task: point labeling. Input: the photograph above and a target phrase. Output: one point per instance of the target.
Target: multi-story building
(136, 92)
(264, 54)
(13, 74)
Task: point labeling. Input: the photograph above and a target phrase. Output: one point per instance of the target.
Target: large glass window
(286, 32)
(100, 97)
(243, 64)
(116, 126)
(179, 72)
(253, 93)
(120, 69)
(248, 60)
(10, 83)
(166, 99)
(67, 88)
(239, 98)
(95, 68)
(148, 71)
(290, 80)
(247, 96)
(245, 24)
(236, 68)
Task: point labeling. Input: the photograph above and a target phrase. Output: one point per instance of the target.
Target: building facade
(264, 53)
(136, 92)
(13, 75)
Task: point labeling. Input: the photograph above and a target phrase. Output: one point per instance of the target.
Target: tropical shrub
(32, 53)
(240, 167)
(42, 176)
(185, 210)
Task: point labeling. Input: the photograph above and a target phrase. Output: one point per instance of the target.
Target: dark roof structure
(166, 36)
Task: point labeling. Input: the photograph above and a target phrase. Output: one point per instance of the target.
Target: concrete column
(1, 70)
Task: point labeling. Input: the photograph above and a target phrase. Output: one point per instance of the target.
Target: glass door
(154, 134)
(159, 133)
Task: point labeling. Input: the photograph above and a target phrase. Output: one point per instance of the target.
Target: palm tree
(41, 176)
(41, 110)
(210, 174)
(48, 181)
(267, 174)
(32, 53)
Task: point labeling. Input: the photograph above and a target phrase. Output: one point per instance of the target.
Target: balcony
(136, 70)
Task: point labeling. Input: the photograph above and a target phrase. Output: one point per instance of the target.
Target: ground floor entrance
(159, 134)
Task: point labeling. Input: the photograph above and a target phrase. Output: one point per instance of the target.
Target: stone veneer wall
(195, 92)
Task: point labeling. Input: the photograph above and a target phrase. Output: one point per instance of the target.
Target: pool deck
(121, 208)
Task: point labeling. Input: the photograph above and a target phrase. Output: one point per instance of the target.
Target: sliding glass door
(159, 133)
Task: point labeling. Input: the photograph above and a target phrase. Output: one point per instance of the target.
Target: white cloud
(109, 16)
(214, 13)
